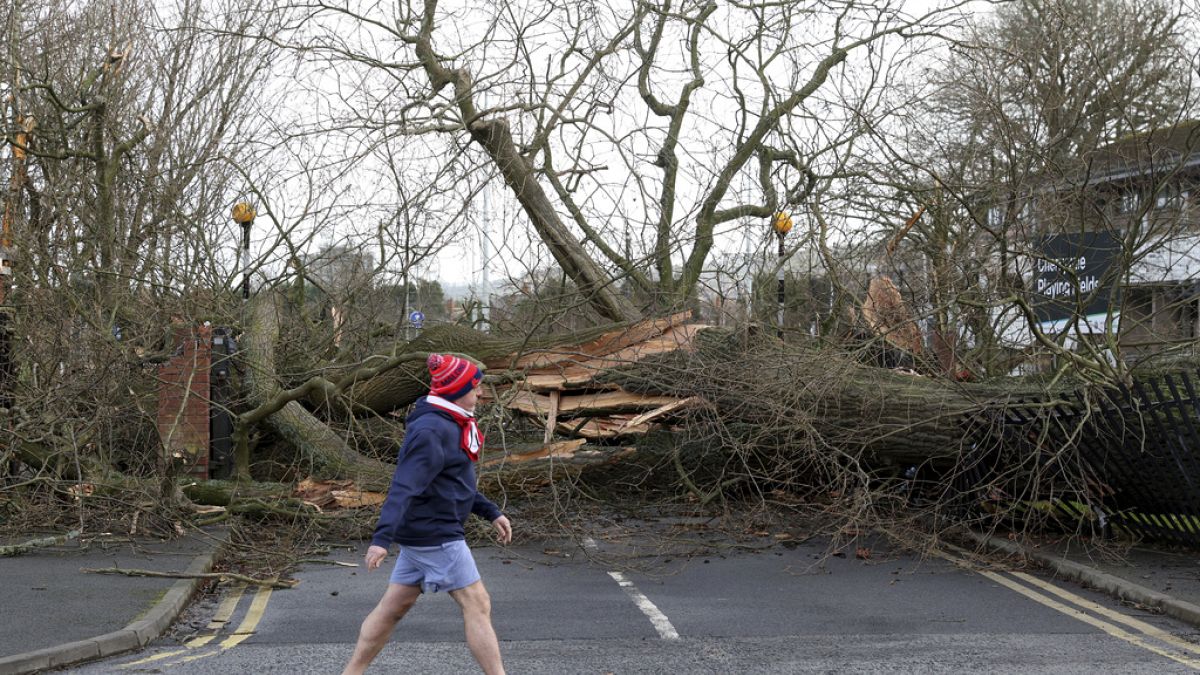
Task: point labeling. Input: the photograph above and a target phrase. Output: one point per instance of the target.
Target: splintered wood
(887, 314)
(560, 390)
(326, 495)
(560, 449)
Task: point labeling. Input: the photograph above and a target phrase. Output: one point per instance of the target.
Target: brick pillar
(183, 401)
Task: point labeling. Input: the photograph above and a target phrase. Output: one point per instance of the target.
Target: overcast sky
(612, 199)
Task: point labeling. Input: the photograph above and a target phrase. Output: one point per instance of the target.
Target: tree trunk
(322, 452)
(496, 139)
(794, 400)
(594, 283)
(777, 402)
(401, 386)
(225, 493)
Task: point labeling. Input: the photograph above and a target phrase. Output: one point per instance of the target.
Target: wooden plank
(679, 404)
(603, 427)
(546, 382)
(593, 429)
(888, 315)
(354, 499)
(610, 402)
(530, 403)
(552, 417)
(571, 377)
(549, 357)
(605, 344)
(677, 338)
(639, 332)
(583, 457)
(563, 449)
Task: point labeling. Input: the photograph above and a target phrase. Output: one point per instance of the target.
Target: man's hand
(503, 529)
(375, 556)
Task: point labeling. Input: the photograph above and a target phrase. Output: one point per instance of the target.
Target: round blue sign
(416, 318)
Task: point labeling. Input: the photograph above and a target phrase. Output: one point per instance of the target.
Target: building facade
(1113, 249)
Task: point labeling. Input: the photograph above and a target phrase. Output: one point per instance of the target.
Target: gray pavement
(602, 609)
(48, 602)
(1159, 579)
(982, 654)
(775, 611)
(1175, 572)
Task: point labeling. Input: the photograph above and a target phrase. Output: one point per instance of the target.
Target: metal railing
(1125, 458)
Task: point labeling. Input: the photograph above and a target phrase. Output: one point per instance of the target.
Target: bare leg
(476, 607)
(378, 626)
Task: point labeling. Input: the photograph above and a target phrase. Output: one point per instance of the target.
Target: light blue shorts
(447, 567)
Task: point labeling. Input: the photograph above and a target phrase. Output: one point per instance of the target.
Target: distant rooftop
(1156, 151)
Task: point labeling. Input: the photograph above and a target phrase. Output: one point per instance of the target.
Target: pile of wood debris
(560, 388)
(330, 495)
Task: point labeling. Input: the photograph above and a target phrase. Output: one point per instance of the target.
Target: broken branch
(18, 549)
(273, 582)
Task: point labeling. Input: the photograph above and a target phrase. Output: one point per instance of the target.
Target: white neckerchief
(449, 405)
(472, 437)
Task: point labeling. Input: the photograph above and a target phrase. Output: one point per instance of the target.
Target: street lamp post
(243, 214)
(782, 224)
(485, 285)
(7, 368)
(25, 127)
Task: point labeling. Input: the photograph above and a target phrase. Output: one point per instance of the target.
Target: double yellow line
(224, 613)
(1134, 631)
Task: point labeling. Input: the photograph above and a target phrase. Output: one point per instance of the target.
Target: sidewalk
(1155, 577)
(52, 614)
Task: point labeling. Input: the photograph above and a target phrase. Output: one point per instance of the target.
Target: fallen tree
(703, 410)
(318, 448)
(733, 392)
(737, 407)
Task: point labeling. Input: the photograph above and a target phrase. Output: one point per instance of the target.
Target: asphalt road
(30, 586)
(782, 610)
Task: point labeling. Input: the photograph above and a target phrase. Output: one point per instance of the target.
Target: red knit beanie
(451, 377)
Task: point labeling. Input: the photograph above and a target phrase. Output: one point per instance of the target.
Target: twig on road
(18, 549)
(223, 576)
(321, 561)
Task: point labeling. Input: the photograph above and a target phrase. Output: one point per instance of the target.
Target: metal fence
(1125, 458)
(7, 366)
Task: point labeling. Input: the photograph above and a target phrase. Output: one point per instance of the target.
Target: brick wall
(183, 401)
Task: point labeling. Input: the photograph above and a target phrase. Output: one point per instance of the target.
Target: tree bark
(403, 385)
(322, 452)
(794, 400)
(773, 400)
(496, 139)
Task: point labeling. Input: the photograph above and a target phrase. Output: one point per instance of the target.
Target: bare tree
(1017, 124)
(707, 117)
(125, 114)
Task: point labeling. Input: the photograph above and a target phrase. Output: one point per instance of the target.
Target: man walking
(432, 494)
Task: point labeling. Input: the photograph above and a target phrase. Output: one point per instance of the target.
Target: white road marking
(661, 623)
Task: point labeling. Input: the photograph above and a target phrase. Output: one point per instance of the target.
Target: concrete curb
(134, 636)
(1122, 589)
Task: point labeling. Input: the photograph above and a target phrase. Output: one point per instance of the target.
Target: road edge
(1122, 589)
(134, 636)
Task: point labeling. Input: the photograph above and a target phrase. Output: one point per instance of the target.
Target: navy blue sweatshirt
(433, 490)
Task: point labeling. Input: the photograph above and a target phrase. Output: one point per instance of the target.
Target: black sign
(1072, 275)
